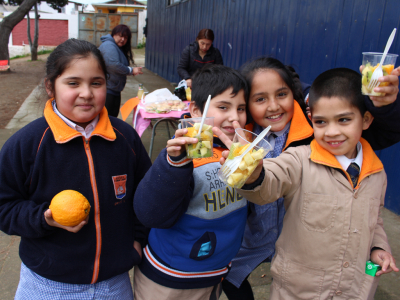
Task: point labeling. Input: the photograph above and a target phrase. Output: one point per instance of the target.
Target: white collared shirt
(345, 162)
(86, 132)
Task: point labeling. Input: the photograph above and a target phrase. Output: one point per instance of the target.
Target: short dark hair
(62, 56)
(287, 73)
(341, 83)
(214, 80)
(124, 31)
(205, 34)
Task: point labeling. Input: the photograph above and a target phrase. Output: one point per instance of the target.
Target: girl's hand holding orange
(176, 146)
(50, 221)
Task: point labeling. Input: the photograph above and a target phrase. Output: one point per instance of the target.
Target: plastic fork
(378, 71)
(203, 117)
(230, 166)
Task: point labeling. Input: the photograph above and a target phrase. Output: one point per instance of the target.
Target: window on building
(173, 2)
(99, 11)
(112, 11)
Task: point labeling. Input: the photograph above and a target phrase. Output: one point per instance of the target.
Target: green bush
(141, 45)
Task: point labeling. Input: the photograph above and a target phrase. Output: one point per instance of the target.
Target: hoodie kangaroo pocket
(318, 212)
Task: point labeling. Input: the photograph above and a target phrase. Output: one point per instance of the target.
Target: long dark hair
(287, 73)
(124, 31)
(62, 56)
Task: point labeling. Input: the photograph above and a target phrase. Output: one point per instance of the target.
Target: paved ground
(260, 279)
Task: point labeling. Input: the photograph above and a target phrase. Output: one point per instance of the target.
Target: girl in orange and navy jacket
(75, 146)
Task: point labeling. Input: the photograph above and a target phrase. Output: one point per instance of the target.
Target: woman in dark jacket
(117, 53)
(197, 54)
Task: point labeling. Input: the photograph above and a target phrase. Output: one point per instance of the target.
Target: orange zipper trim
(96, 266)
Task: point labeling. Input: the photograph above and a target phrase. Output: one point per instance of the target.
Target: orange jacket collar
(63, 133)
(299, 130)
(371, 163)
(217, 154)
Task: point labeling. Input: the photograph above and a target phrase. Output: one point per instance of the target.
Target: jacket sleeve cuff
(381, 246)
(256, 183)
(178, 161)
(378, 111)
(46, 226)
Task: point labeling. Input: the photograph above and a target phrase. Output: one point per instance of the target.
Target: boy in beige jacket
(333, 189)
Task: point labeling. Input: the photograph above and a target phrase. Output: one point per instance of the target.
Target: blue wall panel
(311, 35)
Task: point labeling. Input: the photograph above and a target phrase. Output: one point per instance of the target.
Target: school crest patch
(119, 186)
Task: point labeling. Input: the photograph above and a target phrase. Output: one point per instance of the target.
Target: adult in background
(197, 54)
(117, 53)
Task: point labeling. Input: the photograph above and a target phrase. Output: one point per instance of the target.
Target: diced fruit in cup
(246, 166)
(196, 151)
(235, 177)
(367, 72)
(204, 147)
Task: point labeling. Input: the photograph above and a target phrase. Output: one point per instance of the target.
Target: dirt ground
(16, 85)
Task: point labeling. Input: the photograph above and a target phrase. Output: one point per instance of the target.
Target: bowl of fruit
(369, 63)
(204, 147)
(241, 141)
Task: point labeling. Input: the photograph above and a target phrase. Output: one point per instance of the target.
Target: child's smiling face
(338, 125)
(271, 101)
(225, 108)
(80, 91)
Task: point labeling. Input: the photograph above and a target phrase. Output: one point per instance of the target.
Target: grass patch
(39, 53)
(141, 45)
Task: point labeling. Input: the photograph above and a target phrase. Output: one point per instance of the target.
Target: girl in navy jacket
(75, 146)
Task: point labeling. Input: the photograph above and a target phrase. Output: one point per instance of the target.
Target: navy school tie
(354, 172)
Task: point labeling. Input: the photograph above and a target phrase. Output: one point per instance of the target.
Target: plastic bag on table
(182, 83)
(159, 95)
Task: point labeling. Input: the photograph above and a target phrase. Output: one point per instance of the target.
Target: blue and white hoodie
(197, 221)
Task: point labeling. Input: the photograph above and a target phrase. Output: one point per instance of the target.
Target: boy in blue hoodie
(197, 221)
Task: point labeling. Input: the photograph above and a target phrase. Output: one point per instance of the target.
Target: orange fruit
(388, 69)
(191, 132)
(69, 208)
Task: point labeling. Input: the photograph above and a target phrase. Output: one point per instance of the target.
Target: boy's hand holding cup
(228, 143)
(390, 90)
(176, 146)
(386, 92)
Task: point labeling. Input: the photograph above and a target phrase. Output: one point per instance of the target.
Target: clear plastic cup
(242, 139)
(204, 147)
(369, 63)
